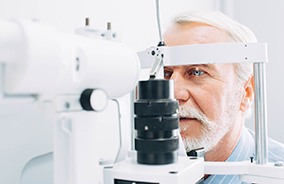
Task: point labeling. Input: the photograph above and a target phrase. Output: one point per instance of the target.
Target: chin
(190, 128)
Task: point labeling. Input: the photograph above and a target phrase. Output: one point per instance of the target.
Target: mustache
(190, 112)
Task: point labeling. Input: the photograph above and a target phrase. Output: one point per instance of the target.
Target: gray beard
(211, 132)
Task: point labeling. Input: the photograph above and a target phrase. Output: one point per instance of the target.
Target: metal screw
(67, 105)
(108, 26)
(87, 21)
(146, 128)
(173, 172)
(251, 159)
(279, 164)
(77, 64)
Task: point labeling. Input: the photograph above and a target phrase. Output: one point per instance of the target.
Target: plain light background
(24, 127)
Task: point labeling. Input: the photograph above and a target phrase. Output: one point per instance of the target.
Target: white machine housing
(40, 64)
(42, 61)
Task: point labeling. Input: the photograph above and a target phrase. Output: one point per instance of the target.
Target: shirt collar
(244, 148)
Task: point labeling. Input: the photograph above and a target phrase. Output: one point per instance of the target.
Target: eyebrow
(209, 66)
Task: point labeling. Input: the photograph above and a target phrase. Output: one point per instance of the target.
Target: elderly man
(215, 98)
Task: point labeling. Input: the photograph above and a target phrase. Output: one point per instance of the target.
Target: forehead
(194, 33)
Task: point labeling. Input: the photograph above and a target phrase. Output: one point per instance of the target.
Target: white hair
(237, 31)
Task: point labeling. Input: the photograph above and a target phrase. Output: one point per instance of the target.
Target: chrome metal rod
(261, 145)
(119, 156)
(158, 20)
(1, 80)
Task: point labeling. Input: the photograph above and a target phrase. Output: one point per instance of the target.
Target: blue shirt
(243, 151)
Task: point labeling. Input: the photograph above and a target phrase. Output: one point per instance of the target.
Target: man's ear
(248, 95)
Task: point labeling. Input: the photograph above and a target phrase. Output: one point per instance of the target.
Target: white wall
(265, 18)
(135, 19)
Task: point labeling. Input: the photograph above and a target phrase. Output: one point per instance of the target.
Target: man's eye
(167, 74)
(196, 72)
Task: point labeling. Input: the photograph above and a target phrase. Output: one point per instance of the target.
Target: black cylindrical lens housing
(156, 123)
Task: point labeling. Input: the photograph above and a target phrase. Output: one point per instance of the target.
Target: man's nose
(180, 88)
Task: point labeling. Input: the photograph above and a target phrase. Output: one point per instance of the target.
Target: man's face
(209, 95)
